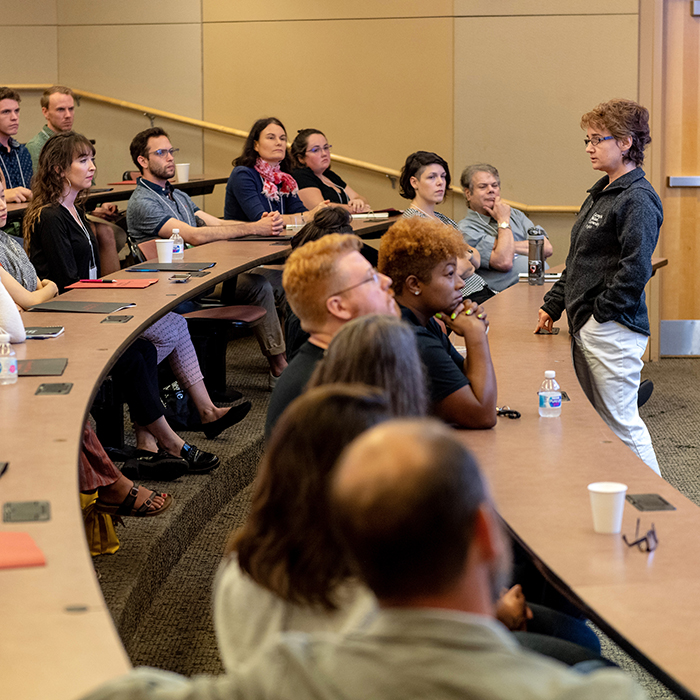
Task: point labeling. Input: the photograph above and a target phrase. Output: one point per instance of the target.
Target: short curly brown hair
(623, 119)
(416, 246)
(310, 274)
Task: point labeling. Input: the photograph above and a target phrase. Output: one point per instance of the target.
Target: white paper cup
(607, 504)
(183, 172)
(165, 250)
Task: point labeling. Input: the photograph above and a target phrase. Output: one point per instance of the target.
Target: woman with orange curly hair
(607, 268)
(420, 255)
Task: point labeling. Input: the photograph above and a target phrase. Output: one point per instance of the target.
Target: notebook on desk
(252, 237)
(82, 307)
(112, 284)
(155, 266)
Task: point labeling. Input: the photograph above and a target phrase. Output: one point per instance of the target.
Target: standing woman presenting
(608, 265)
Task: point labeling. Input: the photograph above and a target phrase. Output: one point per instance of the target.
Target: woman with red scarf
(260, 182)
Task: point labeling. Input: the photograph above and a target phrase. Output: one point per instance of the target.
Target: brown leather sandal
(126, 507)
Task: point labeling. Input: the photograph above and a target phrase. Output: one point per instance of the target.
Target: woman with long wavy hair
(62, 248)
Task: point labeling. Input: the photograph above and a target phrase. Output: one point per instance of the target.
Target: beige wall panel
(227, 11)
(31, 120)
(22, 13)
(30, 55)
(106, 60)
(381, 121)
(128, 12)
(519, 107)
(680, 241)
(113, 128)
(543, 7)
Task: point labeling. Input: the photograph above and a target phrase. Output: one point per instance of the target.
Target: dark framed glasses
(647, 543)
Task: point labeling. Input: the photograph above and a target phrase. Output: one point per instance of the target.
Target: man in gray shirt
(415, 514)
(495, 229)
(156, 209)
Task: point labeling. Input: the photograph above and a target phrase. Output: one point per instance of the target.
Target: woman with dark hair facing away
(311, 163)
(420, 256)
(261, 182)
(62, 248)
(607, 268)
(425, 178)
(286, 568)
(379, 351)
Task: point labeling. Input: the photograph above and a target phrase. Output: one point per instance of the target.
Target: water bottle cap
(550, 374)
(176, 230)
(4, 337)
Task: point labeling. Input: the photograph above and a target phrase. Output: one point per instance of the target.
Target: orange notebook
(19, 550)
(112, 284)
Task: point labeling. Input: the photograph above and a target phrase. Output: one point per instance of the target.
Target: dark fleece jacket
(609, 260)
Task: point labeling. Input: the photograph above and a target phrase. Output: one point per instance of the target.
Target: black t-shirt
(292, 382)
(441, 360)
(305, 178)
(60, 249)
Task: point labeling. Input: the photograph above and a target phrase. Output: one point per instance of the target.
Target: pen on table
(100, 281)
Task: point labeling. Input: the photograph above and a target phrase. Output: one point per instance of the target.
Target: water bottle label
(177, 248)
(550, 400)
(8, 366)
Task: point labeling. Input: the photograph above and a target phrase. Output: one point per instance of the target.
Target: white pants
(608, 362)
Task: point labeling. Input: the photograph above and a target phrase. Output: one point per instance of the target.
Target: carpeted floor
(158, 586)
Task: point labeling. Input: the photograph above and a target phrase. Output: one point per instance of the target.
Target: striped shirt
(472, 284)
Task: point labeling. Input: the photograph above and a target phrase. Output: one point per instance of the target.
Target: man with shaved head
(415, 513)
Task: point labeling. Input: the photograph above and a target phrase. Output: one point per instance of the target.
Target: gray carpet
(158, 586)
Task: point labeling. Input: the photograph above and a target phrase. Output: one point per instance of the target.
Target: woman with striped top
(424, 180)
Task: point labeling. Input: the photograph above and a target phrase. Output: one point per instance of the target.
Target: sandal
(126, 507)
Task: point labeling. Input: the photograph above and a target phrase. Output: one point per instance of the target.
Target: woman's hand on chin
(466, 318)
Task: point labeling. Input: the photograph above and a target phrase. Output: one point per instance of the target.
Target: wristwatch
(504, 224)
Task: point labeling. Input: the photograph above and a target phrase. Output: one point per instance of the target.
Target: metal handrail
(152, 113)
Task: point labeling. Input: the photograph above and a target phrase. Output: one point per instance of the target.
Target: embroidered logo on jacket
(594, 221)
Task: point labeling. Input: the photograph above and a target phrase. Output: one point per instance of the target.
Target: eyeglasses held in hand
(648, 543)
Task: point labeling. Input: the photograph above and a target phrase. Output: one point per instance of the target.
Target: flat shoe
(234, 415)
(198, 461)
(154, 466)
(126, 507)
(646, 388)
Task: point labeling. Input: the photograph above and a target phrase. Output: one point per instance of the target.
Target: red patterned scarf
(273, 176)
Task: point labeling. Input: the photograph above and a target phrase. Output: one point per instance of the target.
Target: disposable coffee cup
(607, 504)
(165, 250)
(183, 172)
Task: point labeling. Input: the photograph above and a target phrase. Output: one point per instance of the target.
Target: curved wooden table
(539, 469)
(58, 640)
(57, 637)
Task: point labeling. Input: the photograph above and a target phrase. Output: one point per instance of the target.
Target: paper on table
(18, 549)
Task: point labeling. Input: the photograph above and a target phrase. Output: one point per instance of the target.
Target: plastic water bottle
(550, 396)
(8, 360)
(178, 245)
